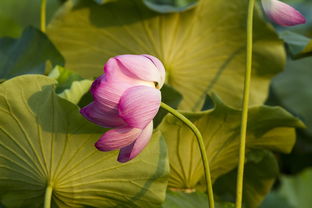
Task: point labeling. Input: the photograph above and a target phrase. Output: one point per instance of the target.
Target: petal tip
(98, 145)
(282, 14)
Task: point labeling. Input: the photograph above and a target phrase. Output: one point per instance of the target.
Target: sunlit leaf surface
(268, 127)
(202, 50)
(44, 140)
(70, 85)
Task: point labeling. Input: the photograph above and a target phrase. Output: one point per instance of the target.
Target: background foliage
(44, 140)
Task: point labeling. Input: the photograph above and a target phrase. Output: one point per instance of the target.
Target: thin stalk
(240, 172)
(43, 15)
(201, 147)
(48, 197)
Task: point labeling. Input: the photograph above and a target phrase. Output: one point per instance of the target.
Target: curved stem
(43, 15)
(48, 197)
(201, 147)
(240, 173)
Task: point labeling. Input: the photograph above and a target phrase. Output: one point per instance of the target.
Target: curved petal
(282, 13)
(131, 151)
(117, 138)
(139, 105)
(140, 67)
(95, 113)
(160, 67)
(107, 93)
(113, 70)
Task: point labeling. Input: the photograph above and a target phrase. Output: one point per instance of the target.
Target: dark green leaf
(293, 89)
(27, 55)
(167, 6)
(26, 12)
(261, 170)
(299, 46)
(294, 190)
(275, 200)
(190, 200)
(169, 96)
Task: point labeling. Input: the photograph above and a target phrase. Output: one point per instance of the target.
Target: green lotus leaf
(77, 90)
(299, 46)
(28, 54)
(167, 6)
(275, 200)
(70, 86)
(103, 1)
(201, 50)
(190, 200)
(45, 141)
(292, 89)
(261, 170)
(169, 96)
(295, 190)
(268, 127)
(26, 12)
(8, 27)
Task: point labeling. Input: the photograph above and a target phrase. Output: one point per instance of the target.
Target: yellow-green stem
(48, 197)
(201, 148)
(43, 15)
(240, 173)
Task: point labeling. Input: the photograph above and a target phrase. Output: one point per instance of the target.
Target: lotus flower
(282, 13)
(126, 98)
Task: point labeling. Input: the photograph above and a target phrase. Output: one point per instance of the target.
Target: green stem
(48, 197)
(43, 15)
(201, 147)
(240, 173)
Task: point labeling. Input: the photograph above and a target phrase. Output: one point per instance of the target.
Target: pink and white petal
(94, 112)
(114, 71)
(108, 93)
(139, 105)
(282, 13)
(160, 68)
(131, 151)
(97, 83)
(117, 138)
(139, 67)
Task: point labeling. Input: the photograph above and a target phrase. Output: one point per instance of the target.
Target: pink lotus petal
(160, 67)
(139, 105)
(107, 93)
(117, 138)
(95, 113)
(131, 151)
(140, 67)
(113, 71)
(282, 13)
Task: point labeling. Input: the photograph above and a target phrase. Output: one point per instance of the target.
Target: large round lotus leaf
(45, 141)
(268, 127)
(203, 49)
